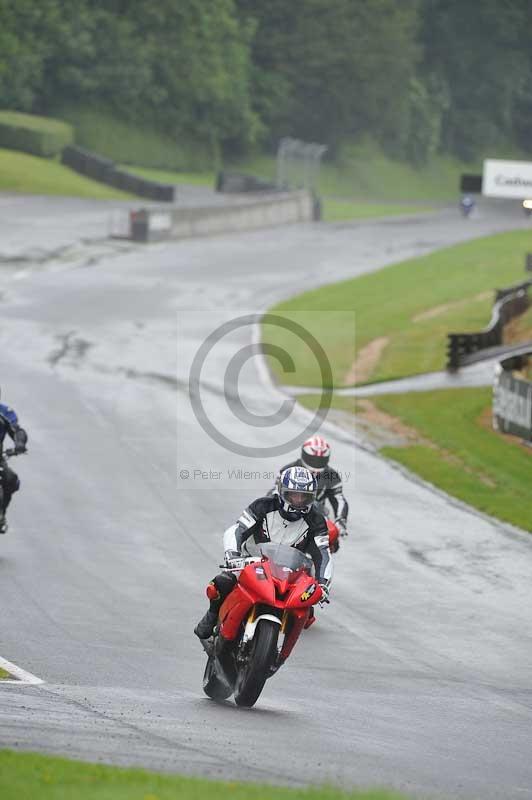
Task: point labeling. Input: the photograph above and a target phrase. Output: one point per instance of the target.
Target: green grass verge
(25, 775)
(127, 143)
(366, 175)
(451, 284)
(170, 176)
(458, 451)
(20, 172)
(34, 122)
(345, 210)
(41, 136)
(4, 674)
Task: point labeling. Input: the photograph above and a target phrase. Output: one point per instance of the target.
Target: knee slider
(212, 592)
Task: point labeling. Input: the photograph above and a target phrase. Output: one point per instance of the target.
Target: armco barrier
(463, 348)
(512, 398)
(104, 170)
(153, 224)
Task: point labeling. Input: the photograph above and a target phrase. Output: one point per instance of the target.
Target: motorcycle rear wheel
(252, 677)
(213, 686)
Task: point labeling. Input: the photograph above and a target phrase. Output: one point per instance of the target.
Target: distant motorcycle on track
(467, 205)
(260, 622)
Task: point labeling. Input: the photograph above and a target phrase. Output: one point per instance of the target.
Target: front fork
(292, 623)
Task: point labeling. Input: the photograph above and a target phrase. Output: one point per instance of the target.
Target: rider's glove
(324, 594)
(341, 525)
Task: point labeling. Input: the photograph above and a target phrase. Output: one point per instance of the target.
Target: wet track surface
(418, 675)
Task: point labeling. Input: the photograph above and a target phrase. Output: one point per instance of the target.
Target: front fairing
(257, 580)
(282, 580)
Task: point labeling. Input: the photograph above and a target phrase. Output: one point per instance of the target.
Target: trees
(181, 64)
(416, 76)
(480, 53)
(333, 70)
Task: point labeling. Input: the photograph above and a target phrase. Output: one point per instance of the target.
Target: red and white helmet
(315, 454)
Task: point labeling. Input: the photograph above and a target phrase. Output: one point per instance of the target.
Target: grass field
(27, 174)
(456, 449)
(345, 210)
(363, 173)
(170, 176)
(25, 775)
(415, 304)
(99, 130)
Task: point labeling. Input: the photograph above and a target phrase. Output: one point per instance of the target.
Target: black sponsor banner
(471, 184)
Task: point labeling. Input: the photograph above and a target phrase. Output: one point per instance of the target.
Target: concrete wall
(179, 223)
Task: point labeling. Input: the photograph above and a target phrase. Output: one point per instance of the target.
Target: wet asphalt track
(418, 675)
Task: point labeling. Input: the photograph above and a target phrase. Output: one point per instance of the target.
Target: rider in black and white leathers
(263, 521)
(329, 489)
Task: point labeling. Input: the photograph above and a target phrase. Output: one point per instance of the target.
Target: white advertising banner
(507, 178)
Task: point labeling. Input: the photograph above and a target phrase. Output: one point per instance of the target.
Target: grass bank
(100, 130)
(27, 174)
(346, 210)
(27, 775)
(4, 674)
(408, 307)
(449, 442)
(365, 174)
(172, 176)
(362, 172)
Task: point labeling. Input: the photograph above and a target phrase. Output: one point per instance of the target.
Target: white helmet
(297, 491)
(315, 454)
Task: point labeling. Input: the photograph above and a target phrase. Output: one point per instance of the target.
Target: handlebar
(245, 560)
(11, 452)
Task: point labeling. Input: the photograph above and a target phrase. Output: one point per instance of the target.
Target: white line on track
(20, 675)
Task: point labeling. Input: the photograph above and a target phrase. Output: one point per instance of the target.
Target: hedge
(41, 136)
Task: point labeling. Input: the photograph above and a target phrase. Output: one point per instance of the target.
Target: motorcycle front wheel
(213, 686)
(263, 654)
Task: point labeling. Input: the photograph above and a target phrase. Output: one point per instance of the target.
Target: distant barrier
(154, 224)
(463, 348)
(471, 184)
(512, 397)
(105, 171)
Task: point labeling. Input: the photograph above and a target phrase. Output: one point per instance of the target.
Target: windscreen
(286, 559)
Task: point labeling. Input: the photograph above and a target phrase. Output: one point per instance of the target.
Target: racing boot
(205, 626)
(3, 522)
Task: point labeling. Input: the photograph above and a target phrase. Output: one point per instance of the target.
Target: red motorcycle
(334, 535)
(259, 623)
